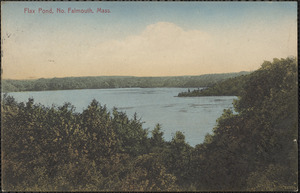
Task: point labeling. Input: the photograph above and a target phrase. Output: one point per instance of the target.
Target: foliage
(255, 149)
(147, 173)
(57, 149)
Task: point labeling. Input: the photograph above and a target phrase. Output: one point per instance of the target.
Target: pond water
(194, 116)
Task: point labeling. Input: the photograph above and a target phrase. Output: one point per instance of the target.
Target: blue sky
(145, 38)
(135, 16)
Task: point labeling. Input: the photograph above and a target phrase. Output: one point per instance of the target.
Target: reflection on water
(194, 116)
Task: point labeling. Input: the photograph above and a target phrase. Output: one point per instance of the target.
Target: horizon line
(33, 78)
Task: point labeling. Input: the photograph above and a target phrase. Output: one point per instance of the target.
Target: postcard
(149, 96)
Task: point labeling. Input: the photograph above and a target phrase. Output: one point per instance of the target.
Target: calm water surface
(194, 116)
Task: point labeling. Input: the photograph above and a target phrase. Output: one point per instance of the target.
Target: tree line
(58, 149)
(228, 87)
(100, 82)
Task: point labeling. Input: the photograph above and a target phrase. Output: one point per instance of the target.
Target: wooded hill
(254, 149)
(114, 82)
(228, 87)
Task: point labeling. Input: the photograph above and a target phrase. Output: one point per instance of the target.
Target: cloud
(166, 49)
(161, 49)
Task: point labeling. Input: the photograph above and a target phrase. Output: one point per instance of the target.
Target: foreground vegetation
(57, 149)
(114, 82)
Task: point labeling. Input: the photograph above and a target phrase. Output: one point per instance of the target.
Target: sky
(144, 38)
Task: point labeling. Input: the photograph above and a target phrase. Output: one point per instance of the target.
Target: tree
(177, 159)
(249, 149)
(157, 141)
(147, 173)
(132, 137)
